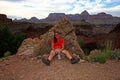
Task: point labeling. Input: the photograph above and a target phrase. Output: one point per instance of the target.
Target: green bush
(107, 49)
(99, 58)
(6, 54)
(108, 53)
(116, 55)
(102, 56)
(81, 43)
(9, 42)
(37, 52)
(86, 51)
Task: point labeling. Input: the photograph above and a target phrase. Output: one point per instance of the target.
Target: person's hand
(61, 50)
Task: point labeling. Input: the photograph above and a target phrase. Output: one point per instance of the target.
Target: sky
(41, 8)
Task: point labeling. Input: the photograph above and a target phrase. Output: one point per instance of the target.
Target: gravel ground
(20, 68)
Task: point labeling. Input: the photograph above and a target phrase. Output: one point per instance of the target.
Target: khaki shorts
(57, 50)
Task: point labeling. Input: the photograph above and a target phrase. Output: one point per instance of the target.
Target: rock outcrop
(116, 29)
(4, 19)
(28, 47)
(114, 36)
(68, 32)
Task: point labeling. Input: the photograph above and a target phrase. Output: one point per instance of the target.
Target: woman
(58, 48)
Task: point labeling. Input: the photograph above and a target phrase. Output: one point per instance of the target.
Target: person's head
(56, 36)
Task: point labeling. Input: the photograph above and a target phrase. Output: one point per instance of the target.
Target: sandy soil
(20, 68)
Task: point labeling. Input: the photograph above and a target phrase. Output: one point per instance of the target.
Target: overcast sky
(41, 8)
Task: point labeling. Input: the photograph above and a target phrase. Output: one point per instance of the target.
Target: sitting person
(58, 47)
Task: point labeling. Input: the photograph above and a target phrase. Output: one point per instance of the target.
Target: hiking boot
(73, 60)
(46, 61)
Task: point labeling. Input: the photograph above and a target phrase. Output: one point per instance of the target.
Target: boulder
(67, 32)
(28, 47)
(94, 53)
(42, 46)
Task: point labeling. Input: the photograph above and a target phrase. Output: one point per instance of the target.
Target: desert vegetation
(101, 55)
(9, 43)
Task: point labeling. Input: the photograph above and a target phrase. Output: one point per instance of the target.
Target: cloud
(41, 8)
(13, 0)
(86, 5)
(111, 1)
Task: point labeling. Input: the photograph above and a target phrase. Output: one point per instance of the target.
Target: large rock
(68, 32)
(31, 47)
(28, 47)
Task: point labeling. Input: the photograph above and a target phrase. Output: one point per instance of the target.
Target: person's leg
(47, 61)
(67, 54)
(52, 54)
(73, 60)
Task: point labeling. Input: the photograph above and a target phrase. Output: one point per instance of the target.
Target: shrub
(81, 43)
(86, 51)
(108, 53)
(102, 55)
(37, 52)
(6, 39)
(17, 41)
(100, 58)
(116, 55)
(108, 45)
(89, 47)
(9, 42)
(6, 54)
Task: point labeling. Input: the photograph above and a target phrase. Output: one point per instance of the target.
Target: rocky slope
(114, 36)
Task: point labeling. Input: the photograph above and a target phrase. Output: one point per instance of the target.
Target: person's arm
(63, 44)
(52, 46)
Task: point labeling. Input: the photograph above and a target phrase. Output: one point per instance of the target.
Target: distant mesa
(4, 19)
(104, 15)
(97, 19)
(54, 15)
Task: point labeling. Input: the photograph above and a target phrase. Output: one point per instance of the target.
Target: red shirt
(58, 44)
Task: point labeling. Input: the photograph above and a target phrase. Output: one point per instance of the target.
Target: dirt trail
(17, 68)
